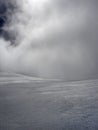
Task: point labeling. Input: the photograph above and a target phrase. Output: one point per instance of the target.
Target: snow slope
(47, 105)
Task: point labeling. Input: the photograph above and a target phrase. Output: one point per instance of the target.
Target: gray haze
(50, 38)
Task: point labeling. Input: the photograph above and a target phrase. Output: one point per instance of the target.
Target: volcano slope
(34, 104)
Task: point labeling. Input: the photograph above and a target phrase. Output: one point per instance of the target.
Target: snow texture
(47, 105)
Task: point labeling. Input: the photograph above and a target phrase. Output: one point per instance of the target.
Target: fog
(49, 38)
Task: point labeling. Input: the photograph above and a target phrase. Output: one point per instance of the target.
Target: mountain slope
(48, 105)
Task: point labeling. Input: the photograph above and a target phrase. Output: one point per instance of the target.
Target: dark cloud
(7, 10)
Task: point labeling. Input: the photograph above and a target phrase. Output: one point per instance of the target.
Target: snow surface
(47, 105)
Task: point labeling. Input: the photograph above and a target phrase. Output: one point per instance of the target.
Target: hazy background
(49, 38)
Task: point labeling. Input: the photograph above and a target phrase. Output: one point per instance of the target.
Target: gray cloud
(53, 39)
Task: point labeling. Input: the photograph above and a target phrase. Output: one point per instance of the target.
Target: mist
(49, 38)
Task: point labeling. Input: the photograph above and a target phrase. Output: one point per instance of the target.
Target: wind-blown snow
(48, 105)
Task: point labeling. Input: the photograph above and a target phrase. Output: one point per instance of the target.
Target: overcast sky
(50, 38)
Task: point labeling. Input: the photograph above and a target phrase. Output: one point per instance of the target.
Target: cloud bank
(50, 38)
